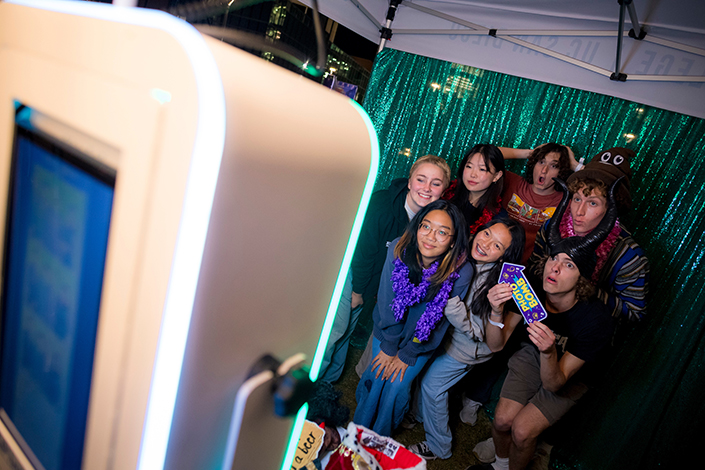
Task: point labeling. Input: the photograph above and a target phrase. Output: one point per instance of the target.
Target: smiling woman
(426, 184)
(478, 331)
(478, 185)
(434, 235)
(423, 269)
(386, 219)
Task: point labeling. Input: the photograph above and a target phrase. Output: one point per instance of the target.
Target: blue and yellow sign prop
(522, 292)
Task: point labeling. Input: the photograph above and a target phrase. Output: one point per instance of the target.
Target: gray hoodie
(466, 343)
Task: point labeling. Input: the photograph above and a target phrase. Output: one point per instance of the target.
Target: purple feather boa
(407, 294)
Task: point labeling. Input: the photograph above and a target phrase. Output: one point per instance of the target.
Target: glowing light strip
(287, 464)
(349, 251)
(198, 200)
(339, 284)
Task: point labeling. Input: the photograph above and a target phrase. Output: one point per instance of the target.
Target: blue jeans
(441, 375)
(339, 339)
(381, 404)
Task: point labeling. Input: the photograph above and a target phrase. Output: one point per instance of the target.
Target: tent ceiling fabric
(560, 32)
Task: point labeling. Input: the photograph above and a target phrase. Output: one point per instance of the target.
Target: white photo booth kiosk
(171, 209)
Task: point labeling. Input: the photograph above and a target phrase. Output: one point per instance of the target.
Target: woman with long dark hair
(424, 268)
(476, 335)
(387, 216)
(478, 186)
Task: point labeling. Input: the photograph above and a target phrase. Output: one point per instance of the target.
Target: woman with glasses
(387, 216)
(477, 331)
(424, 268)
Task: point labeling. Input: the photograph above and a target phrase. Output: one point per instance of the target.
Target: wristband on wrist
(497, 324)
(580, 164)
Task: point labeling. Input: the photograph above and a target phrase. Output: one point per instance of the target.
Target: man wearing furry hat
(559, 355)
(621, 273)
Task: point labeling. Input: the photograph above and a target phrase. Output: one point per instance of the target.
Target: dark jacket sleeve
(386, 328)
(368, 244)
(385, 220)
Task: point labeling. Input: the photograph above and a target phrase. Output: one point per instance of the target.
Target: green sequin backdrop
(648, 413)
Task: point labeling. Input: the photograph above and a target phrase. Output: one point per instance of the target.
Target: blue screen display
(56, 240)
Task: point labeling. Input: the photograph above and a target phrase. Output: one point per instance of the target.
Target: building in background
(288, 26)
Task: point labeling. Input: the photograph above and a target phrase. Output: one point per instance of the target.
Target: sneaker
(409, 422)
(484, 451)
(422, 450)
(468, 414)
(541, 458)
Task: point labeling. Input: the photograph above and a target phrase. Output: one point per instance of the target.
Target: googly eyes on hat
(617, 160)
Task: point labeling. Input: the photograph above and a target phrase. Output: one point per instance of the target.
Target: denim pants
(441, 375)
(381, 404)
(339, 339)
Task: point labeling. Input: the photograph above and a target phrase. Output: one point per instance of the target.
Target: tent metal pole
(618, 75)
(366, 12)
(558, 55)
(477, 30)
(386, 31)
(676, 45)
(668, 78)
(444, 16)
(509, 32)
(637, 32)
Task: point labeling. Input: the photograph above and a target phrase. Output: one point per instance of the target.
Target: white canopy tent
(573, 43)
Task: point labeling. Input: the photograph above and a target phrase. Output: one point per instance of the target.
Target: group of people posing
(430, 254)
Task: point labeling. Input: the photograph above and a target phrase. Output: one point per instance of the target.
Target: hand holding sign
(522, 292)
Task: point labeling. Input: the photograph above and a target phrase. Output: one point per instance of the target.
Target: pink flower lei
(407, 294)
(566, 227)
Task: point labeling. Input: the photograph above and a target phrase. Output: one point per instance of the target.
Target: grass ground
(464, 436)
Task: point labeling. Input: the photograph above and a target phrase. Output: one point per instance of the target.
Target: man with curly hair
(531, 200)
(621, 273)
(622, 270)
(559, 356)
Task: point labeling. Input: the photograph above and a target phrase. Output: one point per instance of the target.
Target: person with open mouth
(531, 200)
(562, 356)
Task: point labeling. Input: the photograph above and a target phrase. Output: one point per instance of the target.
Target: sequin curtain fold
(648, 412)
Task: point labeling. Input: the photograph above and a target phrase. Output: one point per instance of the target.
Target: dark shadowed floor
(464, 436)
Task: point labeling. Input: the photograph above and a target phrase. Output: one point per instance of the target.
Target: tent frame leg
(635, 22)
(386, 31)
(618, 75)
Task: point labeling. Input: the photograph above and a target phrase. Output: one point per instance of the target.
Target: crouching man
(559, 355)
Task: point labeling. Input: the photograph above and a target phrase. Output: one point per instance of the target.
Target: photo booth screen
(59, 208)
